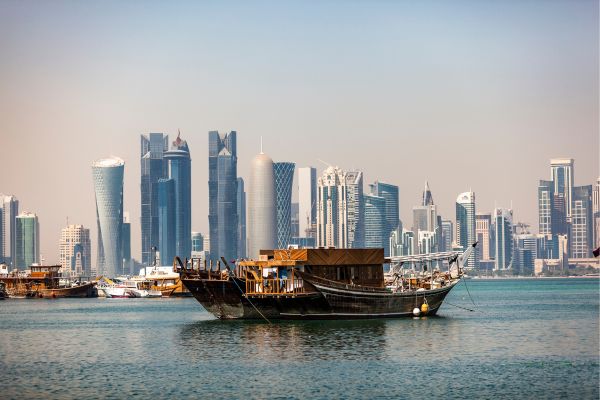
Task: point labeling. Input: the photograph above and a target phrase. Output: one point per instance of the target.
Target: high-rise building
(425, 218)
(340, 209)
(27, 248)
(375, 223)
(562, 175)
(402, 242)
(284, 180)
(197, 242)
(295, 220)
(483, 225)
(581, 227)
(465, 226)
(392, 209)
(222, 195)
(307, 201)
(180, 170)
(75, 250)
(447, 234)
(503, 222)
(596, 212)
(127, 264)
(153, 167)
(262, 211)
(427, 196)
(551, 210)
(10, 209)
(167, 221)
(108, 186)
(241, 212)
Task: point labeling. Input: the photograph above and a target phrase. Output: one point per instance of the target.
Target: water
(531, 339)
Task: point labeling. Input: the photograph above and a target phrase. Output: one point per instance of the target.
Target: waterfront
(529, 338)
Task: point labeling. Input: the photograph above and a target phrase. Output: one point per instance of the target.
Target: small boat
(117, 292)
(323, 284)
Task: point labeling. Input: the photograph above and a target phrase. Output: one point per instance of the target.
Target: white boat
(116, 292)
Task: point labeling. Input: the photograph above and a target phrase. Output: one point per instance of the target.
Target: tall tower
(562, 175)
(10, 209)
(503, 224)
(222, 194)
(27, 248)
(375, 223)
(167, 223)
(307, 200)
(465, 226)
(241, 212)
(392, 209)
(340, 209)
(483, 225)
(180, 171)
(108, 186)
(581, 227)
(284, 179)
(262, 213)
(75, 250)
(153, 168)
(596, 212)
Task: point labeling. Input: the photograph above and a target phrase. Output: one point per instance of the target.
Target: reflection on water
(528, 339)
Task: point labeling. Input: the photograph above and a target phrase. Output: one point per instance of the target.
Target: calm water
(529, 339)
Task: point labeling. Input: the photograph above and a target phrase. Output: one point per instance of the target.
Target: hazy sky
(464, 94)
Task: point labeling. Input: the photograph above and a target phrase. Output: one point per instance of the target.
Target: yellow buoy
(424, 308)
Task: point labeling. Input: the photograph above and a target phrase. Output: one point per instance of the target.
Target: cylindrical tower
(108, 185)
(262, 217)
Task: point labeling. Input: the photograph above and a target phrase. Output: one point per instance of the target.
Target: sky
(466, 95)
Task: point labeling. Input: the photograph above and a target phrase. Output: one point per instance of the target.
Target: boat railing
(275, 286)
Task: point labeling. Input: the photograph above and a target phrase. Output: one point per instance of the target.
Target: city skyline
(502, 116)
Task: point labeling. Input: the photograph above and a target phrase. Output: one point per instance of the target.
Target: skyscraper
(545, 206)
(504, 238)
(483, 225)
(392, 209)
(562, 175)
(75, 250)
(465, 226)
(307, 200)
(340, 209)
(427, 196)
(167, 221)
(10, 210)
(581, 227)
(197, 242)
(222, 195)
(375, 223)
(425, 218)
(284, 179)
(447, 234)
(27, 247)
(108, 186)
(262, 211)
(126, 263)
(180, 171)
(596, 212)
(153, 168)
(241, 212)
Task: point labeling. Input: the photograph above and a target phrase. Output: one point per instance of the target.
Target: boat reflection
(284, 341)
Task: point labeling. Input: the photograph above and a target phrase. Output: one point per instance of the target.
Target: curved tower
(108, 185)
(284, 178)
(262, 218)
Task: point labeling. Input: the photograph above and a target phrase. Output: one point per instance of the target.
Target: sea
(492, 339)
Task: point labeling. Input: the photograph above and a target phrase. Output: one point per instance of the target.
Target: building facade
(284, 181)
(222, 195)
(483, 225)
(375, 223)
(562, 172)
(167, 221)
(27, 248)
(465, 226)
(108, 186)
(127, 262)
(581, 226)
(503, 222)
(180, 171)
(9, 209)
(153, 167)
(262, 210)
(392, 209)
(307, 201)
(75, 250)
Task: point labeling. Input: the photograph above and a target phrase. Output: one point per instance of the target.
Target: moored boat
(322, 284)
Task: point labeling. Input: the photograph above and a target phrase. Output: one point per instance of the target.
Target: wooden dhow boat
(323, 284)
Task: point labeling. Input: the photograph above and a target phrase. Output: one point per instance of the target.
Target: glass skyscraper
(562, 175)
(180, 171)
(503, 224)
(222, 195)
(284, 178)
(166, 221)
(375, 223)
(307, 201)
(241, 212)
(581, 227)
(153, 168)
(27, 249)
(392, 209)
(465, 226)
(108, 186)
(9, 206)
